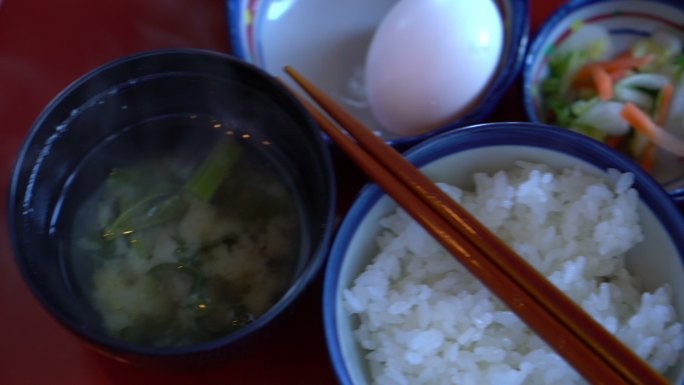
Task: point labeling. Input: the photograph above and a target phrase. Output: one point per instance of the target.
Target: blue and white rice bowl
(425, 340)
(626, 21)
(327, 42)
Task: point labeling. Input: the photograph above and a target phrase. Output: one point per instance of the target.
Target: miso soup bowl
(73, 133)
(453, 158)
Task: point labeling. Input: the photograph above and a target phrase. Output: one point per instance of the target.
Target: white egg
(430, 60)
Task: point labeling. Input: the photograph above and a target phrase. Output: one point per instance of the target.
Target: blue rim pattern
(234, 15)
(486, 135)
(516, 47)
(537, 46)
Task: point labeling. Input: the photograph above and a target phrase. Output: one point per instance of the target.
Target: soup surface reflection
(175, 247)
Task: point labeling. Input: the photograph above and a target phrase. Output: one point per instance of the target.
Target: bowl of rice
(170, 207)
(612, 70)
(398, 309)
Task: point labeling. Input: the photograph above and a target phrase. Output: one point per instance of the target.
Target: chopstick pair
(595, 353)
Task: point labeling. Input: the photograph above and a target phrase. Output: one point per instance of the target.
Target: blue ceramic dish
(116, 98)
(453, 157)
(626, 20)
(327, 42)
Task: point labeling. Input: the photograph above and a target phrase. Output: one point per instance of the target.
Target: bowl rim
(112, 346)
(536, 48)
(482, 136)
(508, 69)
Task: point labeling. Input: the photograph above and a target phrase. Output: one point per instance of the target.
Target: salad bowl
(582, 33)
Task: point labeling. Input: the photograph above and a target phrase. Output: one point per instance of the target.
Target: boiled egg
(430, 60)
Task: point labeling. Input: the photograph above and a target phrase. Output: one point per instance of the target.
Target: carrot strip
(582, 83)
(626, 54)
(617, 74)
(590, 83)
(584, 73)
(639, 120)
(647, 157)
(602, 82)
(664, 105)
(627, 62)
(647, 127)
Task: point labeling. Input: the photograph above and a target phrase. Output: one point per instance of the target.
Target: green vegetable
(562, 112)
(129, 184)
(555, 88)
(211, 173)
(679, 64)
(564, 67)
(145, 199)
(147, 212)
(637, 144)
(590, 131)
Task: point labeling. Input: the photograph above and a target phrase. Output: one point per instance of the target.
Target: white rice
(425, 320)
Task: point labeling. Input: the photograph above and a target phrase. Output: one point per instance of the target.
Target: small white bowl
(453, 158)
(327, 41)
(626, 21)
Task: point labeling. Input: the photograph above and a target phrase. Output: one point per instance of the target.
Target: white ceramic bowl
(626, 21)
(453, 158)
(327, 41)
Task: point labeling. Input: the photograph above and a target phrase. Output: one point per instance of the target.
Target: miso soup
(192, 233)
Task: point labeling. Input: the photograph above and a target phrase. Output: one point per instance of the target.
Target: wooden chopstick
(595, 353)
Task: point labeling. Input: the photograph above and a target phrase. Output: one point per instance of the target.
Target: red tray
(44, 45)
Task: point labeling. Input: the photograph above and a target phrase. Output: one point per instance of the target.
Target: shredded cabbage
(571, 101)
(604, 116)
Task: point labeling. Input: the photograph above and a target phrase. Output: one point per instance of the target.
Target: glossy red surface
(46, 44)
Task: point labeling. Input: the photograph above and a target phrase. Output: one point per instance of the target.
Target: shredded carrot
(614, 141)
(615, 65)
(583, 83)
(647, 127)
(644, 125)
(639, 120)
(589, 82)
(664, 105)
(626, 54)
(617, 74)
(602, 82)
(647, 157)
